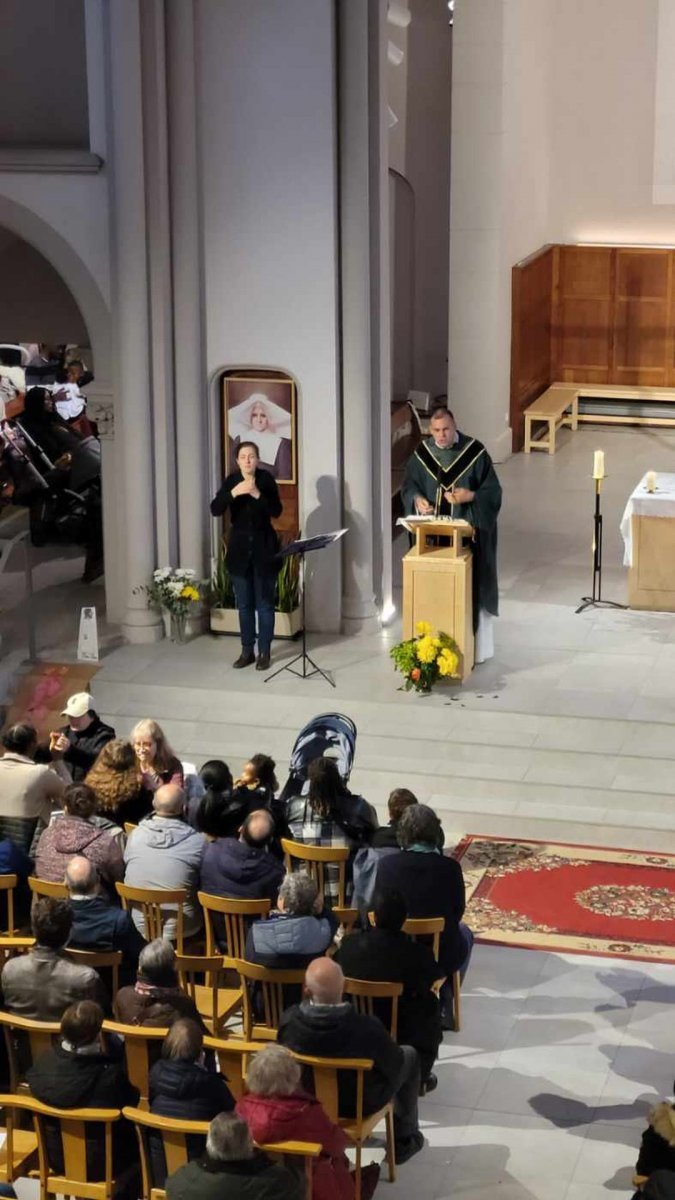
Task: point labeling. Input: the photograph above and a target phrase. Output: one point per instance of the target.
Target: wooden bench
(559, 405)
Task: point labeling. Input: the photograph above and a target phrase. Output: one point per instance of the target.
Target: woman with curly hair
(116, 781)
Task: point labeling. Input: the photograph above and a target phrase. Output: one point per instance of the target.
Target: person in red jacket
(277, 1110)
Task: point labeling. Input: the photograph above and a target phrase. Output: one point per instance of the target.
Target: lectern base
(437, 587)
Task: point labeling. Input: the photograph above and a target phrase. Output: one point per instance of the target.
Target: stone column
(132, 353)
(189, 373)
(359, 475)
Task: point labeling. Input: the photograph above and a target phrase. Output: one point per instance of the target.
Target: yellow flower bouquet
(425, 658)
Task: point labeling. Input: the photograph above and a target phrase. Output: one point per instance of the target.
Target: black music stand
(302, 547)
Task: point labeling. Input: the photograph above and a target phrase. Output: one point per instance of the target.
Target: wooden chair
(315, 860)
(346, 918)
(11, 946)
(153, 904)
(142, 1048)
(129, 828)
(8, 885)
(25, 1041)
(325, 1073)
(433, 927)
(233, 1055)
(72, 1124)
(236, 915)
(99, 960)
(44, 887)
(364, 992)
(202, 977)
(271, 989)
(174, 1135)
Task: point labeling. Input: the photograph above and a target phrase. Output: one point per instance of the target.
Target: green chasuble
(467, 464)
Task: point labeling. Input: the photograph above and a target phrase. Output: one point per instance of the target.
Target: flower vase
(177, 628)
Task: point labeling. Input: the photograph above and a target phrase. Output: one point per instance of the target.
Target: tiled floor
(543, 1094)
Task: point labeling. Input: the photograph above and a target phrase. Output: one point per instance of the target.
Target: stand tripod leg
(303, 656)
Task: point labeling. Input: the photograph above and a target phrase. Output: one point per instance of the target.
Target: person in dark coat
(385, 837)
(432, 885)
(210, 797)
(657, 1149)
(252, 496)
(80, 741)
(233, 1169)
(385, 953)
(326, 1026)
(182, 1089)
(243, 869)
(81, 1072)
(156, 997)
(98, 924)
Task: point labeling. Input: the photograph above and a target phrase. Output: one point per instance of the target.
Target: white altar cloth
(641, 503)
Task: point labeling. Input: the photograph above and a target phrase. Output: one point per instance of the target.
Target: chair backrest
(44, 887)
(314, 860)
(7, 885)
(364, 992)
(233, 1055)
(25, 1041)
(99, 960)
(174, 1135)
(72, 1124)
(11, 946)
(271, 990)
(142, 1048)
(198, 973)
(325, 1072)
(236, 915)
(129, 827)
(426, 927)
(156, 905)
(429, 927)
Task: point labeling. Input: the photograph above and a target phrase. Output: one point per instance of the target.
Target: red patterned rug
(570, 899)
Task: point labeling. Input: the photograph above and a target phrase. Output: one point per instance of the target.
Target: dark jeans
(405, 1096)
(254, 592)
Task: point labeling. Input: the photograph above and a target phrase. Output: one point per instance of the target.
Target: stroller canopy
(329, 735)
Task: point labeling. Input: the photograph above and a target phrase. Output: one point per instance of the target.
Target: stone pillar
(132, 353)
(479, 339)
(189, 373)
(359, 476)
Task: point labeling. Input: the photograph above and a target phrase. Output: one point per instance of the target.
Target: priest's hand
(422, 506)
(459, 496)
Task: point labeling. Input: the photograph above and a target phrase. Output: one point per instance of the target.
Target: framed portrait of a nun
(261, 411)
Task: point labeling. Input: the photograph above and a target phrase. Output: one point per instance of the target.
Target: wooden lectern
(437, 582)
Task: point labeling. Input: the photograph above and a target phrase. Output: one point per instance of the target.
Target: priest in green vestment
(452, 475)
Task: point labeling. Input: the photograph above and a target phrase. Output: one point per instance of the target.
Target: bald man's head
(169, 800)
(257, 829)
(81, 876)
(324, 981)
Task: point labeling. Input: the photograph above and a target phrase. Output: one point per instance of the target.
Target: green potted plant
(224, 618)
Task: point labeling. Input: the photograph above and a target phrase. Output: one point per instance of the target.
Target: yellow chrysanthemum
(425, 650)
(423, 629)
(189, 592)
(447, 662)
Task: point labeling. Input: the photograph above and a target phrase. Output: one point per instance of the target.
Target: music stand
(302, 547)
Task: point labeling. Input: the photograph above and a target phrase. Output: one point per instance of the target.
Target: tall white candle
(650, 481)
(599, 464)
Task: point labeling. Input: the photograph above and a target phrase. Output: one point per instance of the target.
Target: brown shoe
(246, 658)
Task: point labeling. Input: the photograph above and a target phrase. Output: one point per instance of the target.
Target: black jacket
(252, 540)
(432, 886)
(99, 925)
(86, 746)
(383, 955)
(184, 1091)
(67, 1080)
(252, 1179)
(338, 1031)
(385, 837)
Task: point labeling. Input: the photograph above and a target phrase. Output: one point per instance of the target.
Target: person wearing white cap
(80, 742)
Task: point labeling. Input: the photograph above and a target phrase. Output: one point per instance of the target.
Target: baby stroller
(329, 735)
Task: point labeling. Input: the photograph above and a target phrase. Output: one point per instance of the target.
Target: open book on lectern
(305, 545)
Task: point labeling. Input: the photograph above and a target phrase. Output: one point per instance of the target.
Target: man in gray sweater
(165, 852)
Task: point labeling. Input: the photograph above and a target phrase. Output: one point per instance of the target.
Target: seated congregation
(214, 959)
